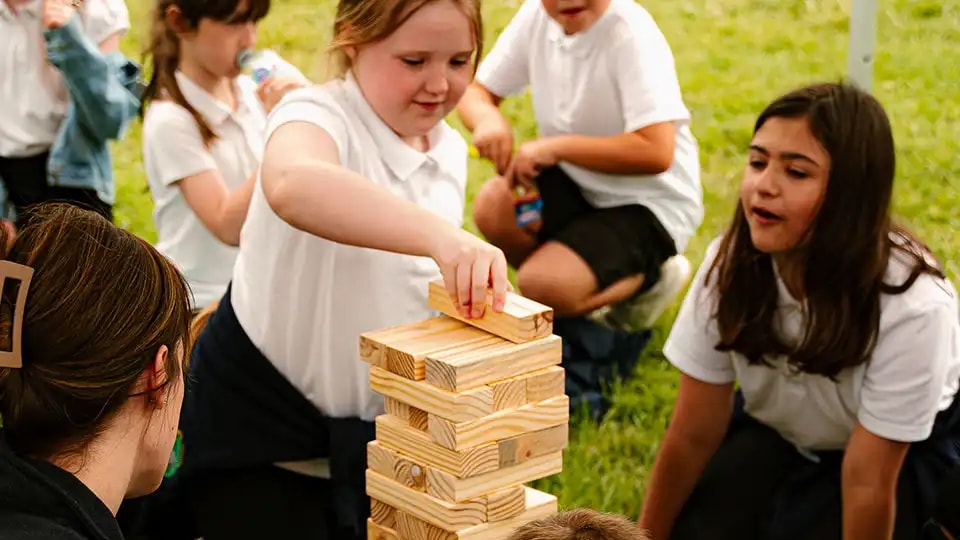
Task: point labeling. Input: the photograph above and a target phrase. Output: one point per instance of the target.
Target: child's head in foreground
(580, 524)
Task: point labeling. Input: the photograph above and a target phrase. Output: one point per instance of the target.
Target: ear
(156, 378)
(176, 21)
(351, 52)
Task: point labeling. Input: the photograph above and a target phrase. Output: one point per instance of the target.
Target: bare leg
(557, 276)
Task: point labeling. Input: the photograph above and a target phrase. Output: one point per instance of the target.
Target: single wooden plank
(460, 371)
(419, 419)
(399, 437)
(521, 320)
(396, 467)
(411, 528)
(506, 503)
(383, 514)
(379, 532)
(444, 485)
(545, 384)
(395, 407)
(538, 506)
(446, 515)
(523, 448)
(372, 343)
(407, 357)
(458, 407)
(499, 425)
(509, 393)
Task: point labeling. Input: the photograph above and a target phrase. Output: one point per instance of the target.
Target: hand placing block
(474, 410)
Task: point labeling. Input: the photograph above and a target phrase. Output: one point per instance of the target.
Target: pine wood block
(396, 408)
(499, 425)
(538, 505)
(372, 343)
(509, 394)
(521, 320)
(411, 528)
(506, 503)
(379, 532)
(394, 466)
(529, 446)
(459, 370)
(407, 358)
(458, 407)
(383, 514)
(396, 435)
(545, 384)
(419, 419)
(446, 515)
(444, 485)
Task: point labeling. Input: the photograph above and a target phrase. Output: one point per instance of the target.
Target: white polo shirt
(616, 77)
(913, 373)
(32, 92)
(304, 300)
(173, 150)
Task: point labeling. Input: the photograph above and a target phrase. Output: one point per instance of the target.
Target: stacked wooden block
(475, 409)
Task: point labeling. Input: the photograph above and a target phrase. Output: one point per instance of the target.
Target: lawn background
(733, 56)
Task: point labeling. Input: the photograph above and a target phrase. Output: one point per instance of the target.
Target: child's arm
(305, 185)
(871, 467)
(913, 362)
(94, 74)
(479, 110)
(699, 422)
(221, 211)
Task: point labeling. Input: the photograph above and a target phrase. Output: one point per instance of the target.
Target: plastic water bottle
(263, 64)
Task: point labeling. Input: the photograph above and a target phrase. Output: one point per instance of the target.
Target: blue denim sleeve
(103, 87)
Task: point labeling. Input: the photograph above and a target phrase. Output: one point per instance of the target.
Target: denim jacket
(104, 96)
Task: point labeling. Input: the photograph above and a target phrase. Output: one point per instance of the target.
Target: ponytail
(165, 51)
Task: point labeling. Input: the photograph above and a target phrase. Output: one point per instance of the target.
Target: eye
(413, 61)
(797, 173)
(757, 164)
(460, 61)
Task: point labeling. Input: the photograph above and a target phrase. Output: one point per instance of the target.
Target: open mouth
(571, 12)
(765, 214)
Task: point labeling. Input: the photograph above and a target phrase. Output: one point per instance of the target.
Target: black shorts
(615, 242)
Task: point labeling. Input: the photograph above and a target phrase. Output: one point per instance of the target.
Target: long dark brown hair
(164, 47)
(849, 245)
(100, 305)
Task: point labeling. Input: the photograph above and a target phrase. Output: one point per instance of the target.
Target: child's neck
(221, 88)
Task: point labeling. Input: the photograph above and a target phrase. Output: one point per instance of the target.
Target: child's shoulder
(163, 116)
(928, 295)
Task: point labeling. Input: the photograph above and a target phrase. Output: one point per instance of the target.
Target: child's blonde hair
(361, 22)
(580, 524)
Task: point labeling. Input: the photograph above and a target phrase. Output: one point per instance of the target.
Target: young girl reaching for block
(841, 331)
(203, 134)
(615, 165)
(359, 202)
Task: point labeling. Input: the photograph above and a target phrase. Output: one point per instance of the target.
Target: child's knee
(541, 286)
(492, 207)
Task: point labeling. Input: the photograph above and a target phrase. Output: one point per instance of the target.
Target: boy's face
(575, 15)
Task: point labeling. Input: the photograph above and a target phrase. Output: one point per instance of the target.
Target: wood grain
(446, 515)
(399, 437)
(458, 407)
(521, 320)
(379, 532)
(506, 503)
(499, 425)
(523, 448)
(444, 485)
(458, 371)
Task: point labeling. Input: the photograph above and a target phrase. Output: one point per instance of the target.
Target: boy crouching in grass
(580, 524)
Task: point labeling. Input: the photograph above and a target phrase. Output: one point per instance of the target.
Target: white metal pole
(863, 38)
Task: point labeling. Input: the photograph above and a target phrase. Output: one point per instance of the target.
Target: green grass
(733, 56)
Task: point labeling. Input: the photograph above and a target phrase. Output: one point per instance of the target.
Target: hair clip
(17, 272)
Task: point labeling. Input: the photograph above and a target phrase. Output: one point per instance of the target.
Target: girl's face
(214, 45)
(415, 77)
(784, 184)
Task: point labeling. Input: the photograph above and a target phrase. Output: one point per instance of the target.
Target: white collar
(213, 110)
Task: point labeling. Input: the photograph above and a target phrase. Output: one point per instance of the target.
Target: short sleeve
(646, 79)
(505, 71)
(312, 104)
(172, 140)
(103, 18)
(914, 362)
(690, 345)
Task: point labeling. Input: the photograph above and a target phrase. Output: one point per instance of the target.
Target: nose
(767, 181)
(437, 82)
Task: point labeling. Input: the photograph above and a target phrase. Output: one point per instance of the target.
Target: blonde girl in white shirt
(839, 328)
(359, 205)
(203, 134)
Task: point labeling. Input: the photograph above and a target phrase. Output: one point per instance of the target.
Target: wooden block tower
(475, 409)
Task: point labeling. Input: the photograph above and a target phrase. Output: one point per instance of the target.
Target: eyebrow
(784, 155)
(428, 53)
